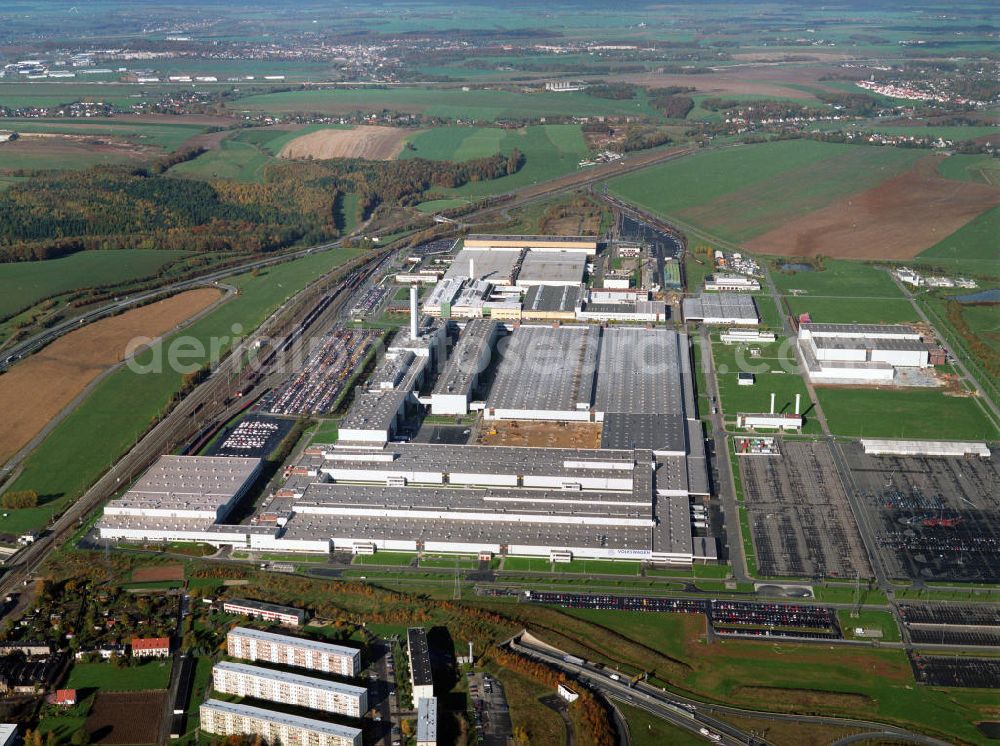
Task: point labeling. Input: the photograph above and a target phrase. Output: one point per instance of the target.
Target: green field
(839, 279)
(122, 405)
(854, 310)
(863, 682)
(326, 432)
(845, 292)
(912, 413)
(740, 192)
(775, 371)
(880, 620)
(154, 674)
(550, 151)
(14, 158)
(26, 283)
(982, 169)
(447, 103)
(234, 160)
(645, 729)
(166, 135)
(526, 564)
(384, 558)
(972, 248)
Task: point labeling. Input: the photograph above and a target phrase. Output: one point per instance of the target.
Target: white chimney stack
(472, 268)
(772, 403)
(413, 313)
(798, 399)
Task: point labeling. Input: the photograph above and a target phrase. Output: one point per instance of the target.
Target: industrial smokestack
(798, 399)
(413, 313)
(472, 268)
(772, 402)
(470, 653)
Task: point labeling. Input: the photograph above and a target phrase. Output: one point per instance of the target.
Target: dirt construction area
(157, 573)
(126, 717)
(365, 141)
(895, 220)
(540, 434)
(35, 390)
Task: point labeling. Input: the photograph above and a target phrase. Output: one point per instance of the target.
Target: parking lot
(936, 519)
(800, 518)
(490, 714)
(316, 387)
(968, 624)
(255, 436)
(939, 670)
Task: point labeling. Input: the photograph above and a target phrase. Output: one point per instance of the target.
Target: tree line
(125, 207)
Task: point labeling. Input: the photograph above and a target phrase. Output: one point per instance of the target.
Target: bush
(20, 499)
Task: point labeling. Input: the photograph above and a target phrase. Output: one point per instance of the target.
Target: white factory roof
(721, 308)
(274, 716)
(860, 330)
(277, 639)
(495, 266)
(205, 483)
(552, 268)
(291, 679)
(876, 447)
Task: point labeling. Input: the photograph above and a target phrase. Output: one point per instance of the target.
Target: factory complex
(629, 498)
(860, 353)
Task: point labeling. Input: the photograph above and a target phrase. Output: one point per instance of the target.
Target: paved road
(693, 714)
(722, 460)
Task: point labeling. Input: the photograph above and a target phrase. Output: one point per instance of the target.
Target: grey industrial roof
(545, 368)
(445, 291)
(464, 365)
(858, 329)
(673, 532)
(189, 482)
(868, 343)
(639, 372)
(305, 526)
(547, 298)
(292, 679)
(657, 432)
(540, 267)
(644, 307)
(274, 716)
(723, 306)
(376, 410)
(420, 656)
(495, 266)
(302, 642)
(509, 502)
(479, 459)
(530, 238)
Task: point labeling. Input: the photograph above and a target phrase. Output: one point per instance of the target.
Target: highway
(692, 714)
(35, 343)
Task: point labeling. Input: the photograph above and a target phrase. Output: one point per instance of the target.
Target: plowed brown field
(365, 141)
(895, 220)
(37, 389)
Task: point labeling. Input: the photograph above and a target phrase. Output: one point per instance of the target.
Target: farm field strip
(35, 390)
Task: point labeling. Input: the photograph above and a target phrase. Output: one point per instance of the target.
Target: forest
(128, 207)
